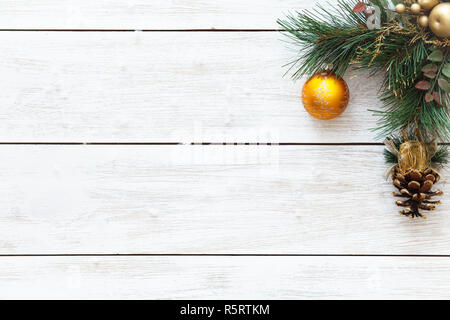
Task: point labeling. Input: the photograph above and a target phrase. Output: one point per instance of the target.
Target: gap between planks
(222, 255)
(203, 143)
(142, 30)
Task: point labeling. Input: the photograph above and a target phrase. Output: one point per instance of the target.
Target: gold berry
(428, 4)
(415, 8)
(400, 8)
(440, 20)
(423, 21)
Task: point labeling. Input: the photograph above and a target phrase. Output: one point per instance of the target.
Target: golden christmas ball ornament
(325, 96)
(439, 20)
(428, 4)
(415, 8)
(423, 21)
(400, 8)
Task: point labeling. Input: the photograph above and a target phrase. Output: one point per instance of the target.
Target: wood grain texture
(164, 87)
(207, 199)
(224, 278)
(144, 14)
(190, 87)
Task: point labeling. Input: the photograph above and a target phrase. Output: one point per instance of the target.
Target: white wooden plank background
(206, 200)
(164, 87)
(146, 14)
(224, 277)
(190, 86)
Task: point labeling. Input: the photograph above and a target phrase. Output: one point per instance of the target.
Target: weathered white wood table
(115, 182)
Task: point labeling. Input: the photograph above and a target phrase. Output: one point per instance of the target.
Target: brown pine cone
(415, 185)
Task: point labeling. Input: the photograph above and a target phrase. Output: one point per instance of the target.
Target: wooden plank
(207, 199)
(163, 87)
(144, 14)
(224, 278)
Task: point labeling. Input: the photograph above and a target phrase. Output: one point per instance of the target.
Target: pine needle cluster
(415, 64)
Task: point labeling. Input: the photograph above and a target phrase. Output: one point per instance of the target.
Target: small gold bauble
(325, 96)
(423, 21)
(428, 4)
(415, 8)
(400, 8)
(440, 20)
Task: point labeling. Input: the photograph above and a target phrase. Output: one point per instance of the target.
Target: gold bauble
(325, 96)
(428, 4)
(400, 8)
(440, 20)
(423, 21)
(415, 8)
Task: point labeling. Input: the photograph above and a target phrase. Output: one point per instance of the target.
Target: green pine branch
(326, 37)
(339, 39)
